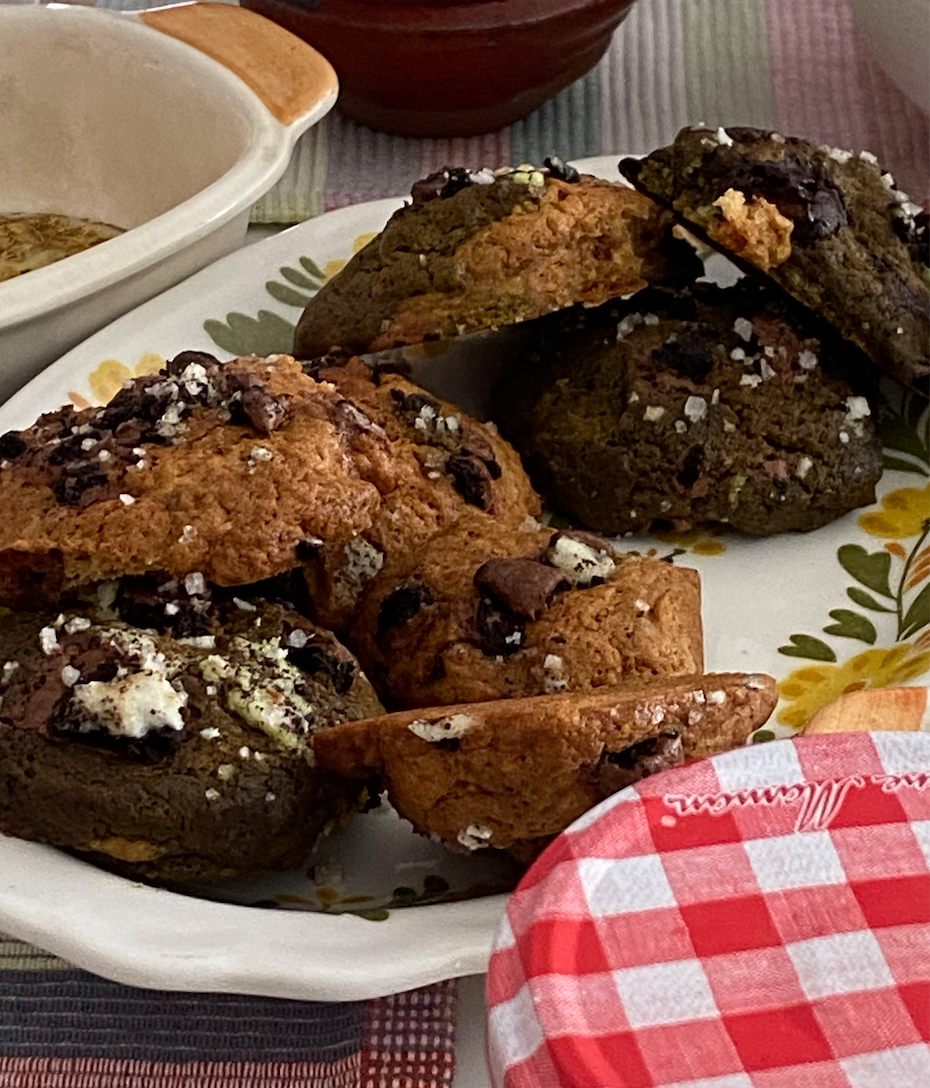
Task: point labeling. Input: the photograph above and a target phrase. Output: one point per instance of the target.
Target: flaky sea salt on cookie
(482, 249)
(218, 469)
(512, 773)
(491, 611)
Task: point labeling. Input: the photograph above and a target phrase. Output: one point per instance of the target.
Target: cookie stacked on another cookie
(828, 226)
(481, 249)
(487, 611)
(221, 469)
(431, 462)
(512, 774)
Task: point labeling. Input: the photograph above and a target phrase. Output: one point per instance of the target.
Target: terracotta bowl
(447, 68)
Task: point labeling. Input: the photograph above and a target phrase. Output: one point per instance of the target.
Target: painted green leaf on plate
(266, 334)
(872, 569)
(851, 625)
(866, 600)
(918, 615)
(807, 646)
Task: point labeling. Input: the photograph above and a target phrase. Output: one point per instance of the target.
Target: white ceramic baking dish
(168, 123)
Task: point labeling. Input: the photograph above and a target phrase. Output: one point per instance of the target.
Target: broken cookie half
(513, 773)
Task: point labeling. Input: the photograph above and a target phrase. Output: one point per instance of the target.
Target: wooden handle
(286, 73)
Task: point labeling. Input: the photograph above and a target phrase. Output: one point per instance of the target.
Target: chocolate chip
(526, 586)
(743, 134)
(266, 411)
(441, 183)
(71, 487)
(141, 603)
(155, 746)
(411, 404)
(617, 770)
(472, 479)
(351, 420)
(690, 355)
(915, 234)
(560, 170)
(69, 449)
(401, 605)
(11, 445)
(800, 190)
(314, 659)
(183, 360)
(692, 466)
(500, 630)
(129, 433)
(309, 548)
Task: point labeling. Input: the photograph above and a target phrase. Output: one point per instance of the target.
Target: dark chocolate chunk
(690, 354)
(441, 183)
(617, 770)
(142, 602)
(351, 420)
(265, 411)
(183, 360)
(76, 480)
(692, 467)
(154, 747)
(561, 170)
(915, 233)
(11, 445)
(315, 659)
(411, 404)
(800, 190)
(402, 605)
(500, 630)
(309, 548)
(472, 479)
(526, 586)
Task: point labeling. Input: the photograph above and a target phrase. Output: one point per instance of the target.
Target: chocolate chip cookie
(171, 757)
(481, 249)
(431, 463)
(828, 226)
(513, 773)
(223, 469)
(709, 406)
(485, 611)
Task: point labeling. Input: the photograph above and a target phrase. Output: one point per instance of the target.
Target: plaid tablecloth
(794, 65)
(64, 1028)
(758, 920)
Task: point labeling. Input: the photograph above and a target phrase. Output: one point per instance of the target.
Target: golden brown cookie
(488, 611)
(482, 249)
(220, 469)
(432, 463)
(512, 773)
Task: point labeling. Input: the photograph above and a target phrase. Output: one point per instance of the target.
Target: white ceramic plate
(823, 612)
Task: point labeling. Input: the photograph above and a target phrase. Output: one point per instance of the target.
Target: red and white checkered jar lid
(756, 920)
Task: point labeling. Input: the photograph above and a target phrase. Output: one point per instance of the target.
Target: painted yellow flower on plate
(695, 540)
(107, 379)
(332, 267)
(808, 689)
(903, 514)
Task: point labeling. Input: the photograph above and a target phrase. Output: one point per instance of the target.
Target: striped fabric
(64, 1028)
(794, 65)
(798, 66)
